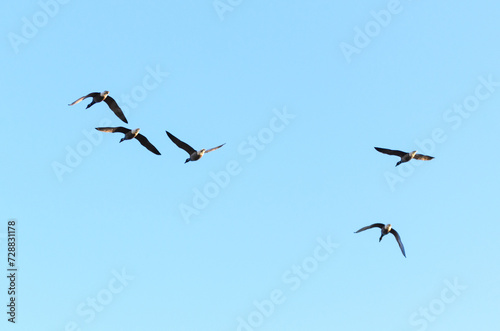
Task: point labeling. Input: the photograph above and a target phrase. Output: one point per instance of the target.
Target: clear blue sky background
(201, 253)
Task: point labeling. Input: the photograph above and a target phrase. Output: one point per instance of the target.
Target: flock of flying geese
(195, 155)
(97, 97)
(387, 228)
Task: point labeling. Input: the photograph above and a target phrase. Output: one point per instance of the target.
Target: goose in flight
(385, 230)
(104, 96)
(130, 134)
(405, 157)
(193, 154)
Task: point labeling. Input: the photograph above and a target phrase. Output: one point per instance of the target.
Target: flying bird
(385, 230)
(130, 134)
(405, 157)
(104, 96)
(193, 154)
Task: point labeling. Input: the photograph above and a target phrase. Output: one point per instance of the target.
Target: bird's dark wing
(111, 129)
(390, 151)
(115, 108)
(423, 157)
(213, 149)
(93, 94)
(145, 142)
(190, 150)
(374, 225)
(398, 239)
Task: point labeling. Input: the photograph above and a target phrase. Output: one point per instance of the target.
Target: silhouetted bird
(385, 230)
(104, 96)
(130, 134)
(193, 154)
(405, 157)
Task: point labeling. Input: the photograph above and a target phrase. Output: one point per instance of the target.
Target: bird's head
(200, 153)
(104, 94)
(388, 227)
(412, 154)
(136, 131)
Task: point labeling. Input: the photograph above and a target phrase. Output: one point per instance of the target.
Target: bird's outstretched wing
(374, 225)
(398, 239)
(120, 129)
(190, 150)
(115, 108)
(423, 157)
(213, 149)
(93, 94)
(390, 151)
(145, 142)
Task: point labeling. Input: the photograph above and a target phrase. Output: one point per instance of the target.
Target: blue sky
(257, 235)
